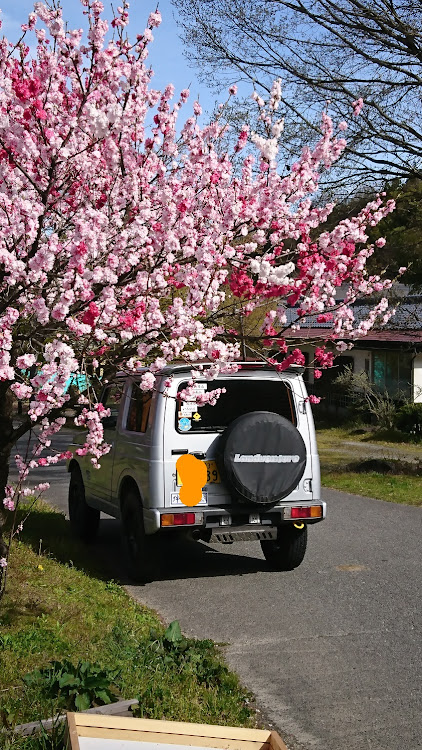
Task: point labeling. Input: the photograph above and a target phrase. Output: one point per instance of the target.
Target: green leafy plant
(76, 687)
(196, 657)
(409, 420)
(193, 662)
(379, 405)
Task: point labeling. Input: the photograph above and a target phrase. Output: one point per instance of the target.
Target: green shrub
(409, 419)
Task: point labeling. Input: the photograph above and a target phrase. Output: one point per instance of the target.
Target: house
(391, 354)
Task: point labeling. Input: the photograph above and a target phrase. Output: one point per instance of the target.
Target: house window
(392, 372)
(340, 364)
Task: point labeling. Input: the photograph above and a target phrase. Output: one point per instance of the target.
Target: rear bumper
(247, 519)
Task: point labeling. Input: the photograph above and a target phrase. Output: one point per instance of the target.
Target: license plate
(254, 518)
(175, 500)
(213, 475)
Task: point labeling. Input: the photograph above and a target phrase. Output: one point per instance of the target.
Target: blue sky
(166, 52)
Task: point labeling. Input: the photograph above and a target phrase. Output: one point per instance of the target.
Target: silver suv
(258, 444)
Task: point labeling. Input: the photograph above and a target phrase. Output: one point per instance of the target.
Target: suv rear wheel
(288, 550)
(84, 521)
(138, 547)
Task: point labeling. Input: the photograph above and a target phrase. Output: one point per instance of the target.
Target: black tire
(288, 550)
(84, 520)
(138, 547)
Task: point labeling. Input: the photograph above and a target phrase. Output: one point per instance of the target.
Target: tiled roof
(391, 336)
(408, 316)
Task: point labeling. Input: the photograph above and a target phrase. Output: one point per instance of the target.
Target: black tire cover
(262, 457)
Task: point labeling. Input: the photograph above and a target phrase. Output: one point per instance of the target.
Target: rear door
(192, 428)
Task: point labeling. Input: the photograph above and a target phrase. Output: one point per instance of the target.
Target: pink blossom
(147, 381)
(42, 487)
(154, 19)
(341, 346)
(295, 358)
(233, 90)
(325, 317)
(21, 390)
(91, 315)
(323, 357)
(65, 455)
(9, 504)
(25, 361)
(357, 107)
(3, 562)
(243, 139)
(314, 399)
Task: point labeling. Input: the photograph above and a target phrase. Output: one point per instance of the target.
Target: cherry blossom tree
(125, 236)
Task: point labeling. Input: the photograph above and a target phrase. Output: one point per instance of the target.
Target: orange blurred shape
(193, 474)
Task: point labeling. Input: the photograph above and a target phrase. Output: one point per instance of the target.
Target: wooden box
(96, 732)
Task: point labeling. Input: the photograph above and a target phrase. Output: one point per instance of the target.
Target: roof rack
(187, 367)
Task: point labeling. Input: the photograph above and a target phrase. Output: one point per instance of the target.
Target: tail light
(313, 511)
(181, 519)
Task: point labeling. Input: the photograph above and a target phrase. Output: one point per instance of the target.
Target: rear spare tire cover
(262, 457)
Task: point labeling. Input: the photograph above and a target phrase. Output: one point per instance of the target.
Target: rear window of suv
(241, 397)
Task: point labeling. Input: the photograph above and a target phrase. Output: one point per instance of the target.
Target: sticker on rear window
(187, 408)
(196, 390)
(185, 424)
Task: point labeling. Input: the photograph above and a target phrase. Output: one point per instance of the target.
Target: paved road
(333, 649)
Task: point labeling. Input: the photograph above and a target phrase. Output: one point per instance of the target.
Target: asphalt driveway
(332, 650)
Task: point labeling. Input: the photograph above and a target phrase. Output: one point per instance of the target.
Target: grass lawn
(397, 488)
(342, 449)
(389, 439)
(56, 607)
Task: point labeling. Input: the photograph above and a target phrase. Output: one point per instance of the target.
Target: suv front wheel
(84, 521)
(138, 552)
(288, 550)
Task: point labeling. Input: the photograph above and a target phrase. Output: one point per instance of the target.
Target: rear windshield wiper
(209, 429)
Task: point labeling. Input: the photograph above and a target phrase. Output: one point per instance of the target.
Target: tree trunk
(6, 430)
